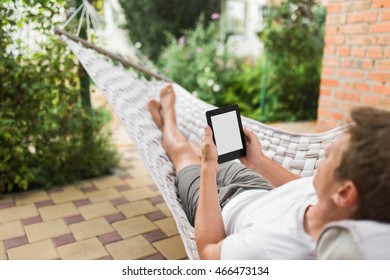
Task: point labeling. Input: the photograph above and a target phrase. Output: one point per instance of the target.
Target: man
(267, 211)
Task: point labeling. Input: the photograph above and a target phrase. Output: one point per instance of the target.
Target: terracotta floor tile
(42, 250)
(134, 226)
(73, 219)
(122, 188)
(11, 230)
(164, 208)
(155, 235)
(82, 202)
(15, 242)
(69, 194)
(114, 218)
(156, 200)
(44, 203)
(136, 208)
(138, 172)
(131, 249)
(118, 201)
(158, 215)
(171, 248)
(155, 257)
(90, 189)
(58, 211)
(63, 239)
(30, 197)
(6, 198)
(45, 230)
(3, 254)
(107, 182)
(32, 220)
(90, 228)
(90, 249)
(17, 213)
(168, 226)
(9, 204)
(139, 194)
(103, 195)
(97, 210)
(139, 181)
(109, 237)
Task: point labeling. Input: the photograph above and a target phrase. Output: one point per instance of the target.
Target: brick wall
(356, 63)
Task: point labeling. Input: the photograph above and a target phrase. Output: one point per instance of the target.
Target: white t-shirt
(262, 224)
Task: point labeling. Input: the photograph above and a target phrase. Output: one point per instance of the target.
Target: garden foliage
(293, 37)
(41, 119)
(149, 21)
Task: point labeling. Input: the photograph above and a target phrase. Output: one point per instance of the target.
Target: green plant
(293, 38)
(148, 21)
(41, 119)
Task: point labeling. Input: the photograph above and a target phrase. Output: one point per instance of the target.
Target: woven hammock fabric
(128, 94)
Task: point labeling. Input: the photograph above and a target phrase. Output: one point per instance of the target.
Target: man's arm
(257, 161)
(209, 227)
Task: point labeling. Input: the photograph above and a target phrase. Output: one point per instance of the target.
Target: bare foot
(154, 107)
(167, 98)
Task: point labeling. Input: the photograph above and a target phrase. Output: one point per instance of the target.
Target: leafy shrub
(293, 37)
(149, 21)
(41, 120)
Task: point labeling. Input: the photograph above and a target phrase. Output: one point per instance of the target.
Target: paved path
(121, 216)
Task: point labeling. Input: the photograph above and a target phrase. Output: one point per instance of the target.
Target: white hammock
(128, 94)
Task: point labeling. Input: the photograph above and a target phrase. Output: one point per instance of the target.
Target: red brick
(383, 40)
(387, 53)
(344, 51)
(329, 82)
(329, 50)
(360, 28)
(370, 16)
(378, 101)
(325, 124)
(361, 40)
(325, 102)
(331, 30)
(348, 73)
(351, 6)
(337, 116)
(379, 76)
(381, 89)
(327, 71)
(358, 52)
(374, 52)
(357, 86)
(333, 8)
(383, 64)
(380, 4)
(330, 61)
(385, 15)
(334, 39)
(381, 27)
(337, 19)
(325, 92)
(358, 63)
(323, 113)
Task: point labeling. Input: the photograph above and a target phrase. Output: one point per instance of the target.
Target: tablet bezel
(233, 154)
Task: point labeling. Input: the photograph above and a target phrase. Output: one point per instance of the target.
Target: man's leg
(178, 148)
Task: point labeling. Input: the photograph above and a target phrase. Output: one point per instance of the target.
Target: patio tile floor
(120, 216)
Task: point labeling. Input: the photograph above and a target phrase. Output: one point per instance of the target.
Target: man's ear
(346, 194)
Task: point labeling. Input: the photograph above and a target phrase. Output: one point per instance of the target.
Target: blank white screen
(226, 132)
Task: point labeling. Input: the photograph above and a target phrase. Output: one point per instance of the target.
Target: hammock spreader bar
(111, 55)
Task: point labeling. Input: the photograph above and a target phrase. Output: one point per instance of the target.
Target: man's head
(355, 174)
(366, 162)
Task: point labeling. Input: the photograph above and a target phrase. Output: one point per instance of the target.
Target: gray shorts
(232, 179)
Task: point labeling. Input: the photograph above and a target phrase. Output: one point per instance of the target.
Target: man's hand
(209, 150)
(253, 150)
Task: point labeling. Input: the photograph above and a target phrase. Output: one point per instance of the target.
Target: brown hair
(367, 162)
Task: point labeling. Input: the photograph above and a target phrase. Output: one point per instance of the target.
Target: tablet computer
(227, 132)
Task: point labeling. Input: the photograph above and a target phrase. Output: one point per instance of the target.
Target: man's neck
(316, 217)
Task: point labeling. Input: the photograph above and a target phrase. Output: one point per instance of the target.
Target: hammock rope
(128, 93)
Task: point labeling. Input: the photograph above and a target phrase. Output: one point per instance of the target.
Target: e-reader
(228, 136)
